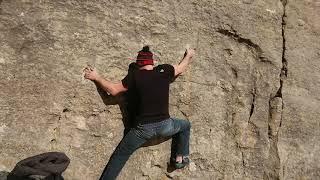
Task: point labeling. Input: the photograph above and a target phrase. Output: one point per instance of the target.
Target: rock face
(299, 145)
(251, 94)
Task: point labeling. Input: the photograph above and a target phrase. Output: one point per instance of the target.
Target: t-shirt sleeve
(125, 81)
(168, 70)
(128, 79)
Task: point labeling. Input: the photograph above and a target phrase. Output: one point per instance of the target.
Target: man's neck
(147, 67)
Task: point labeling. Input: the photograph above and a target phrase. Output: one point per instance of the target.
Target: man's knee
(187, 124)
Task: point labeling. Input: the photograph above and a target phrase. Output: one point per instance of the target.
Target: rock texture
(251, 94)
(299, 145)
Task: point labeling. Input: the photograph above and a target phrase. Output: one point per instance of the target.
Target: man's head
(145, 57)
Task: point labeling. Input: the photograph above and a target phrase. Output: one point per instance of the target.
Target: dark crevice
(158, 165)
(96, 135)
(243, 164)
(252, 107)
(184, 114)
(66, 110)
(284, 69)
(234, 72)
(253, 102)
(251, 45)
(232, 33)
(269, 132)
(273, 138)
(269, 120)
(279, 92)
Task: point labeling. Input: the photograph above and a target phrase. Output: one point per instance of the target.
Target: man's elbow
(114, 92)
(117, 89)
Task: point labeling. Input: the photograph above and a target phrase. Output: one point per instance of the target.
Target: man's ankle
(179, 159)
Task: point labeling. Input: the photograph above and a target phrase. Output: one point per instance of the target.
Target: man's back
(150, 91)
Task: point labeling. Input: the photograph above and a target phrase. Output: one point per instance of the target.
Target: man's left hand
(90, 73)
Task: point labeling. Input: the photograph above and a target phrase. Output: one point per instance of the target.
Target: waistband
(154, 124)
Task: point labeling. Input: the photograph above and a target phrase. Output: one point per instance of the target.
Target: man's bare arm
(182, 66)
(108, 86)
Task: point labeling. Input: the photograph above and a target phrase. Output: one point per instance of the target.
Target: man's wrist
(97, 79)
(189, 56)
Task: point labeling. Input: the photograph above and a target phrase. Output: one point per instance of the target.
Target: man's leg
(180, 140)
(130, 142)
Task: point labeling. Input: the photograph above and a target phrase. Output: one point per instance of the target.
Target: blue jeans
(177, 128)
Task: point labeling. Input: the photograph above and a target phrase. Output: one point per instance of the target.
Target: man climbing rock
(148, 91)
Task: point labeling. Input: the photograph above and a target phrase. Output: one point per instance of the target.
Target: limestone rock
(299, 134)
(251, 93)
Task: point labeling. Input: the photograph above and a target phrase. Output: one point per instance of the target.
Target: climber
(148, 91)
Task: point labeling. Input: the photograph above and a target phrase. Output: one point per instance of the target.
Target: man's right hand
(190, 52)
(90, 73)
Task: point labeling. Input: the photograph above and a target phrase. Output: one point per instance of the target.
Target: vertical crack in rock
(270, 120)
(253, 102)
(275, 103)
(276, 106)
(284, 60)
(284, 69)
(243, 164)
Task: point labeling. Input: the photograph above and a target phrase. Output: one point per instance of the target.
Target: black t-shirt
(148, 92)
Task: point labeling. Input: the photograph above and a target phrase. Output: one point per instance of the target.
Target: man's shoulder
(163, 66)
(133, 66)
(167, 69)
